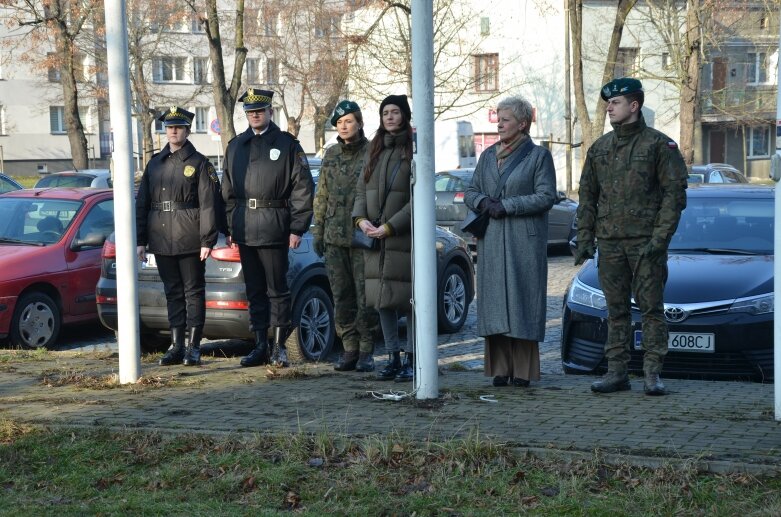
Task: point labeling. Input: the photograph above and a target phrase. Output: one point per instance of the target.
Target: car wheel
(452, 304)
(36, 322)
(313, 339)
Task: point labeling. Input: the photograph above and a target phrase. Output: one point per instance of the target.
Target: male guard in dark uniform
(632, 192)
(176, 220)
(268, 192)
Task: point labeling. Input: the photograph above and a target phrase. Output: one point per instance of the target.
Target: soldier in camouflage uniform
(333, 230)
(632, 192)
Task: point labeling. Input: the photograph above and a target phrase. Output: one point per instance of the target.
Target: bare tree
(381, 49)
(225, 94)
(593, 129)
(66, 23)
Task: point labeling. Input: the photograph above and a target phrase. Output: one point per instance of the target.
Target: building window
(269, 22)
(168, 69)
(57, 119)
(195, 25)
(54, 68)
(485, 26)
(159, 128)
(272, 71)
(328, 26)
(201, 119)
(666, 65)
(758, 141)
(486, 72)
(763, 23)
(756, 68)
(253, 72)
(200, 70)
(626, 62)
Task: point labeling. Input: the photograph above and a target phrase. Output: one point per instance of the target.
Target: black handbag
(476, 223)
(361, 240)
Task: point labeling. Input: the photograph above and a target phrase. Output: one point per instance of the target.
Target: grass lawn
(99, 472)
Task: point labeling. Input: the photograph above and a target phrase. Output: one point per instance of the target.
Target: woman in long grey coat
(512, 266)
(388, 270)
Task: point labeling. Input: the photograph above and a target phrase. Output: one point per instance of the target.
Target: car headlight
(762, 304)
(582, 294)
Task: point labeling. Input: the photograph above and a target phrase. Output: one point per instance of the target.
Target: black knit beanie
(401, 102)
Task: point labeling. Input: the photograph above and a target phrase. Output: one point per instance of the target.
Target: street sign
(215, 126)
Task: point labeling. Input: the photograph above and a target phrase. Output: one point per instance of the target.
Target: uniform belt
(253, 203)
(170, 206)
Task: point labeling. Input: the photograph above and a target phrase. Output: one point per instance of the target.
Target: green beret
(619, 87)
(342, 109)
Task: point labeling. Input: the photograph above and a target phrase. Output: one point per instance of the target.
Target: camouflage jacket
(339, 172)
(633, 185)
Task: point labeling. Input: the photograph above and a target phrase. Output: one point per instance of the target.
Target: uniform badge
(189, 171)
(274, 154)
(672, 145)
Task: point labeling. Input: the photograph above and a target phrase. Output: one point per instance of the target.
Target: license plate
(151, 262)
(684, 342)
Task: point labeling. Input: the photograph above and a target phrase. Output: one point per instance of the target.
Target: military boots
(347, 362)
(259, 355)
(279, 356)
(192, 356)
(653, 384)
(365, 362)
(175, 352)
(391, 369)
(612, 381)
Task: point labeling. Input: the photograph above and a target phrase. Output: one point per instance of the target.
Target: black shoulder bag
(476, 223)
(360, 239)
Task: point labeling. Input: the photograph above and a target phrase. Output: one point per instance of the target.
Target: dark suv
(226, 301)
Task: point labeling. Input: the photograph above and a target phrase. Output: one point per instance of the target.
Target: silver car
(85, 178)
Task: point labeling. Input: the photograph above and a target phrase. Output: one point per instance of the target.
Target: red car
(50, 247)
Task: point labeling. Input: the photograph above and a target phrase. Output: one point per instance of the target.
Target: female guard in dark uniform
(176, 221)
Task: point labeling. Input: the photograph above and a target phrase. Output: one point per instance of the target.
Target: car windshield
(35, 221)
(452, 181)
(65, 180)
(726, 225)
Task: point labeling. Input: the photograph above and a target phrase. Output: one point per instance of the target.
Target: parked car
(96, 178)
(8, 184)
(50, 243)
(226, 301)
(718, 299)
(716, 173)
(449, 188)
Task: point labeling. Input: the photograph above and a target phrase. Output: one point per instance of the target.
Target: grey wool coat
(512, 265)
(388, 271)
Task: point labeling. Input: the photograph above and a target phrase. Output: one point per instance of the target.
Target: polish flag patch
(672, 145)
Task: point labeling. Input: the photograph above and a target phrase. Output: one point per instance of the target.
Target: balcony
(739, 104)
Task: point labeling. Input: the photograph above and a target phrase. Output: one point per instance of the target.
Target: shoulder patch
(672, 145)
(302, 159)
(212, 173)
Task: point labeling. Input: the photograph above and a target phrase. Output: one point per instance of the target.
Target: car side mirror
(91, 240)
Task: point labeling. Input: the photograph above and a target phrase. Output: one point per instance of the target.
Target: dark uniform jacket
(267, 188)
(342, 166)
(187, 179)
(633, 185)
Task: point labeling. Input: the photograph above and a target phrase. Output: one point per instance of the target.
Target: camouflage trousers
(624, 272)
(354, 321)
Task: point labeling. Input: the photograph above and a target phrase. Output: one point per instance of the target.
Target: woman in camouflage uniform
(333, 229)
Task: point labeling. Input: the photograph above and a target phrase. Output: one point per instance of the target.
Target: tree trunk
(72, 120)
(225, 96)
(690, 85)
(591, 130)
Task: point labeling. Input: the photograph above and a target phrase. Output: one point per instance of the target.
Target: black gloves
(319, 246)
(585, 251)
(496, 209)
